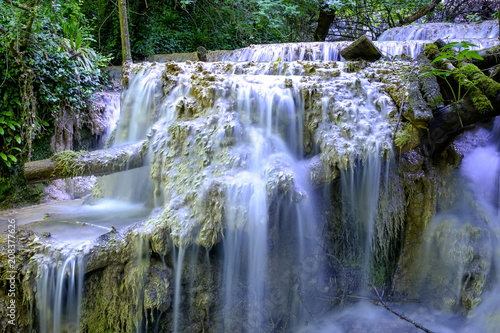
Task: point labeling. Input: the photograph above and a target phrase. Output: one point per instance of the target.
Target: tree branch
(400, 315)
(421, 12)
(29, 26)
(18, 5)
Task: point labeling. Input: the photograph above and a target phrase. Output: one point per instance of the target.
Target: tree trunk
(67, 164)
(125, 36)
(420, 13)
(453, 120)
(325, 20)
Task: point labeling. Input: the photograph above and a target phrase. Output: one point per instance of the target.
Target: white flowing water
(407, 41)
(59, 294)
(433, 31)
(138, 113)
(461, 253)
(258, 125)
(330, 51)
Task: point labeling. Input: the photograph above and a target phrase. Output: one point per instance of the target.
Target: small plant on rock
(459, 53)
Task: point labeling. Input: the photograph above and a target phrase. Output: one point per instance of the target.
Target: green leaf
(475, 55)
(8, 164)
(440, 58)
(1, 131)
(15, 148)
(18, 139)
(12, 158)
(3, 156)
(78, 42)
(449, 45)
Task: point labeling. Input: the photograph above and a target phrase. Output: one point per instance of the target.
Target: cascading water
(252, 230)
(433, 31)
(406, 41)
(59, 295)
(136, 117)
(250, 155)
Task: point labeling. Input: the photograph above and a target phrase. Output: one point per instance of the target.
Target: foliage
(462, 54)
(47, 68)
(158, 26)
(457, 53)
(464, 11)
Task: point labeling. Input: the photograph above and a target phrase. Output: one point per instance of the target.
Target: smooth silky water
(270, 253)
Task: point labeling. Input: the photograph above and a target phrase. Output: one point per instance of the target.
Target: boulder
(361, 49)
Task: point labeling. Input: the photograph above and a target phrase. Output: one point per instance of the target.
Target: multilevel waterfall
(273, 199)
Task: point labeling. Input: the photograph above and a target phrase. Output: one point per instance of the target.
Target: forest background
(52, 53)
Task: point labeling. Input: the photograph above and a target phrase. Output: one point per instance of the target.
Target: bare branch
(400, 315)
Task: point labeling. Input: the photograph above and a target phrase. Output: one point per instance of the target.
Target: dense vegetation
(159, 26)
(48, 70)
(51, 51)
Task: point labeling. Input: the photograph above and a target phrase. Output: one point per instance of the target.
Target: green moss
(403, 136)
(431, 50)
(488, 86)
(482, 104)
(69, 163)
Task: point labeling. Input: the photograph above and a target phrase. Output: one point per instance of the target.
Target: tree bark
(325, 20)
(97, 163)
(125, 36)
(491, 57)
(107, 161)
(420, 13)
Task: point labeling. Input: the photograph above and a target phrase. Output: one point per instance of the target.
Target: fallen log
(491, 57)
(69, 164)
(453, 119)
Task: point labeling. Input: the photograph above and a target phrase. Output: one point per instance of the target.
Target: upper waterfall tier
(408, 41)
(313, 51)
(433, 31)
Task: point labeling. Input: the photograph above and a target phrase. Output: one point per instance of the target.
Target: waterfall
(433, 31)
(137, 114)
(59, 295)
(270, 201)
(408, 40)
